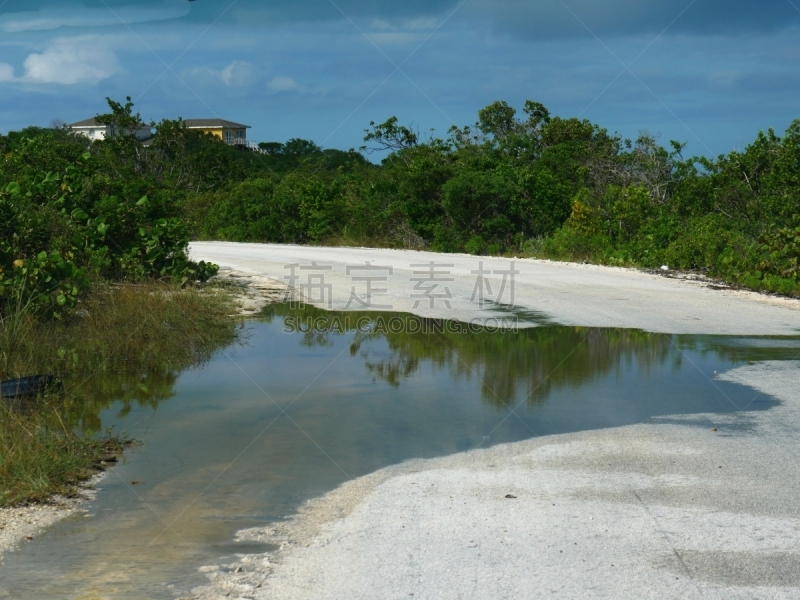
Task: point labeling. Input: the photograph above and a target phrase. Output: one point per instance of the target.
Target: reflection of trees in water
(742, 349)
(507, 363)
(394, 370)
(87, 396)
(535, 361)
(143, 376)
(530, 362)
(511, 363)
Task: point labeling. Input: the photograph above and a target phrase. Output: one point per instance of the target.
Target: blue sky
(708, 72)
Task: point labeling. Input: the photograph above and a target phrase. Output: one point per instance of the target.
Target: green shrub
(60, 229)
(112, 209)
(707, 244)
(781, 253)
(571, 244)
(475, 245)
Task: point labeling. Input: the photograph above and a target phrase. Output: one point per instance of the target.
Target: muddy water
(292, 414)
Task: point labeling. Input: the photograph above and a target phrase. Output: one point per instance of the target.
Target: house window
(228, 136)
(240, 135)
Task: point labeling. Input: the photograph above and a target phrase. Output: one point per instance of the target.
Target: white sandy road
(660, 510)
(647, 511)
(569, 294)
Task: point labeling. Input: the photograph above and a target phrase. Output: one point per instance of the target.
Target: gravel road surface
(565, 293)
(697, 507)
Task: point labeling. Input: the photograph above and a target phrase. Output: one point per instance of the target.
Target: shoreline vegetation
(535, 185)
(123, 344)
(525, 184)
(97, 288)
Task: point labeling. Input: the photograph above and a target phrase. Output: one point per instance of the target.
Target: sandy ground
(705, 506)
(254, 292)
(565, 293)
(20, 524)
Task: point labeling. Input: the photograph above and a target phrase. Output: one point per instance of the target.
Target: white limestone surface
(565, 293)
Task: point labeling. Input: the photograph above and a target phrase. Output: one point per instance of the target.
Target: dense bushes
(531, 184)
(74, 215)
(72, 211)
(537, 185)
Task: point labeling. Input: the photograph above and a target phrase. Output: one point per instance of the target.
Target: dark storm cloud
(27, 15)
(19, 17)
(557, 19)
(537, 19)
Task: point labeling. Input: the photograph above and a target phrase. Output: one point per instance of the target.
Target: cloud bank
(535, 19)
(539, 19)
(553, 19)
(70, 14)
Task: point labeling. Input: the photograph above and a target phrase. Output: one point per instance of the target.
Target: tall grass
(122, 343)
(40, 456)
(143, 326)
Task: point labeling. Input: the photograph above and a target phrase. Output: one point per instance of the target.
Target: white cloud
(237, 74)
(724, 78)
(53, 17)
(282, 84)
(85, 59)
(6, 72)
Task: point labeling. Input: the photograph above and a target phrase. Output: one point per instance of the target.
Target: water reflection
(508, 363)
(288, 416)
(87, 397)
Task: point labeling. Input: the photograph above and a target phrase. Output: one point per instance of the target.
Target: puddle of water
(245, 440)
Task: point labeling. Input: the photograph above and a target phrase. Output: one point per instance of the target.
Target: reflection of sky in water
(220, 455)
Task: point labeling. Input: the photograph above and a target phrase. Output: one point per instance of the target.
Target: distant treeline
(530, 184)
(533, 185)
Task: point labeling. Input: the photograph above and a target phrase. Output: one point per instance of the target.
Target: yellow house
(227, 131)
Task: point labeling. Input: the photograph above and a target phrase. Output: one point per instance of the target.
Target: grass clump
(40, 456)
(146, 326)
(122, 344)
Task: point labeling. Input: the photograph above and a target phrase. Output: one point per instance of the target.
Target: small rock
(510, 496)
(237, 570)
(664, 268)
